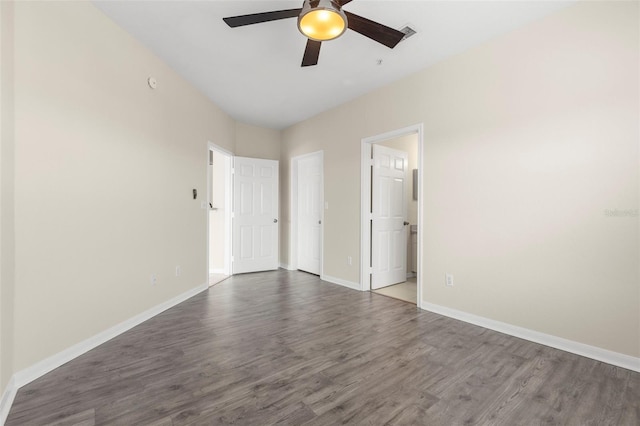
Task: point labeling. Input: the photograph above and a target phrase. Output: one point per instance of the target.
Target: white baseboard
(41, 368)
(286, 266)
(340, 281)
(7, 399)
(599, 354)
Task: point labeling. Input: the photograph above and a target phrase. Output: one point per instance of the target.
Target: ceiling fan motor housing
(322, 20)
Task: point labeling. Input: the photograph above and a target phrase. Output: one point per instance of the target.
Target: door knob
(319, 222)
(405, 223)
(275, 220)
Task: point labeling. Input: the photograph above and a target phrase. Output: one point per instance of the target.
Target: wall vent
(408, 32)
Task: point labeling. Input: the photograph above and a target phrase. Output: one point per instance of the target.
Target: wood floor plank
(285, 347)
(84, 418)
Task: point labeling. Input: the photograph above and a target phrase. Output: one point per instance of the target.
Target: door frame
(293, 206)
(365, 203)
(227, 214)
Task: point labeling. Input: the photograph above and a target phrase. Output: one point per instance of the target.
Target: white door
(388, 233)
(255, 215)
(310, 213)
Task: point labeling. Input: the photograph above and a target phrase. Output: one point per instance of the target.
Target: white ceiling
(253, 72)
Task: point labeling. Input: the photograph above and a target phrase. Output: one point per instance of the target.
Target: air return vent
(408, 32)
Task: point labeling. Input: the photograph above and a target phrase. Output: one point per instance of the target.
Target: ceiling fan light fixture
(322, 20)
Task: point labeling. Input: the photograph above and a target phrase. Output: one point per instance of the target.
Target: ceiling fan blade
(311, 53)
(375, 31)
(343, 2)
(256, 18)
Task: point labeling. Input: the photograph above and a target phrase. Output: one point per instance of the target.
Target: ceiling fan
(323, 20)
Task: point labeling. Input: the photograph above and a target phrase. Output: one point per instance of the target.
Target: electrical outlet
(178, 271)
(448, 280)
(349, 260)
(154, 279)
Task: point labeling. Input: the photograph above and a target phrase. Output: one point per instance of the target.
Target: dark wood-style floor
(286, 348)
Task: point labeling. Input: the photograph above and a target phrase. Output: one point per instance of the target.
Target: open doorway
(391, 206)
(219, 214)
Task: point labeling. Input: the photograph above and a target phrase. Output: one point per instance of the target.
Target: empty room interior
(320, 212)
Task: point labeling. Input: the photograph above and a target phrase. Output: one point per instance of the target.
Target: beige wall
(105, 167)
(7, 146)
(257, 142)
(529, 138)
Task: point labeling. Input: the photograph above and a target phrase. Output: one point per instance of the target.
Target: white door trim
(365, 203)
(293, 211)
(227, 214)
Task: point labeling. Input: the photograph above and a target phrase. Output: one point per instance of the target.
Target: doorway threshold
(406, 291)
(217, 279)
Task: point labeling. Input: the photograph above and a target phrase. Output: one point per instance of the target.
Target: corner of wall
(7, 241)
(257, 142)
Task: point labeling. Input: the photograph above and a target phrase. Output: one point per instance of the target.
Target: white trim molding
(340, 281)
(599, 354)
(41, 368)
(8, 396)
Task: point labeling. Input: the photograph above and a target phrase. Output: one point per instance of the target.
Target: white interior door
(310, 213)
(255, 215)
(388, 234)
